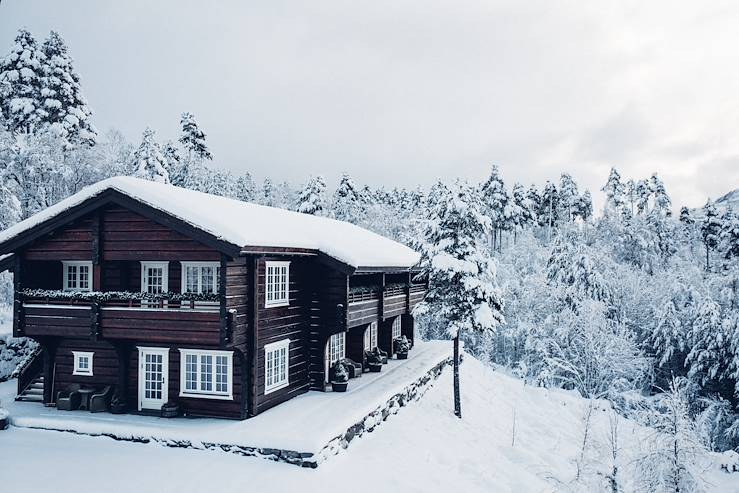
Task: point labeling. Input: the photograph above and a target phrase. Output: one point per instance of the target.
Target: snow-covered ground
(422, 448)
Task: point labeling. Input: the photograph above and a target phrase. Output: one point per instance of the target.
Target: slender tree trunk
(707, 265)
(457, 400)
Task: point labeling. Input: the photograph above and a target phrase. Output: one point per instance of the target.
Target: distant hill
(731, 199)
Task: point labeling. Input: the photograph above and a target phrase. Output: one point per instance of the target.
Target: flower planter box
(170, 410)
(375, 367)
(118, 407)
(339, 386)
(402, 355)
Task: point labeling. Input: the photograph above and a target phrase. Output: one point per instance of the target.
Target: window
(370, 337)
(277, 284)
(77, 276)
(396, 328)
(206, 374)
(154, 277)
(276, 365)
(82, 363)
(201, 277)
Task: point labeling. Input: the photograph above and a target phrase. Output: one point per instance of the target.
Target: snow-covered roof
(244, 224)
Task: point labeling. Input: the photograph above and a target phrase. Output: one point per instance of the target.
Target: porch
(304, 430)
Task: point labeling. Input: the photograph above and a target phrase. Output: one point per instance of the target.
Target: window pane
(84, 277)
(221, 374)
(191, 372)
(206, 372)
(206, 279)
(191, 278)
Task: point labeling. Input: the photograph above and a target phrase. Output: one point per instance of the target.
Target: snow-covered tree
(568, 197)
(572, 268)
(66, 109)
(661, 201)
(496, 204)
(245, 189)
(532, 194)
(172, 162)
(521, 214)
(729, 240)
(685, 216)
(193, 139)
(347, 203)
(312, 198)
(668, 340)
(710, 230)
(267, 195)
(21, 76)
(615, 194)
(548, 206)
(707, 359)
(463, 288)
(670, 459)
(149, 161)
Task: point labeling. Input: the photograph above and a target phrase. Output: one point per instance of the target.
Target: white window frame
(145, 264)
(206, 394)
(78, 355)
(284, 300)
(370, 336)
(216, 275)
(65, 272)
(396, 328)
(271, 348)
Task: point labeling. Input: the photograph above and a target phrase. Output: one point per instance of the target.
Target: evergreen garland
(103, 296)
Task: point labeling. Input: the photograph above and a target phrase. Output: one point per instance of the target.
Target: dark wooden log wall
(394, 306)
(71, 243)
(363, 312)
(328, 316)
(104, 365)
(355, 343)
(161, 326)
(286, 322)
(61, 321)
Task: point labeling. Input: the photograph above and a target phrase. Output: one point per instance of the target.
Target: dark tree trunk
(457, 400)
(707, 265)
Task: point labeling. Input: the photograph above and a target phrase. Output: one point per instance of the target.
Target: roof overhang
(7, 262)
(114, 197)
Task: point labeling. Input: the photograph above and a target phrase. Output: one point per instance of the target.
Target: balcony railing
(123, 299)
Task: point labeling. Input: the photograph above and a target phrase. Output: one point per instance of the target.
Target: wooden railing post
(95, 321)
(18, 314)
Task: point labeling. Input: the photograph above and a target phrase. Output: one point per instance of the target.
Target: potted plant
(374, 361)
(339, 377)
(170, 410)
(402, 345)
(117, 405)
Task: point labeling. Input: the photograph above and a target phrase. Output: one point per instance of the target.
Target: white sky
(401, 92)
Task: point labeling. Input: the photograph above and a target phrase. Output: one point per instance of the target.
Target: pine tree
(662, 202)
(685, 217)
(463, 289)
(21, 73)
(707, 358)
(585, 206)
(710, 230)
(668, 338)
(193, 139)
(642, 193)
(172, 162)
(730, 236)
(66, 108)
(347, 201)
(534, 203)
(149, 161)
(522, 215)
(312, 198)
(245, 189)
(568, 197)
(615, 194)
(495, 199)
(549, 205)
(268, 193)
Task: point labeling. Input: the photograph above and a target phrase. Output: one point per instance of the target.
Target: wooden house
(222, 307)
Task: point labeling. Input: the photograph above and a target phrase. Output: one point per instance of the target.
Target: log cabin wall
(328, 316)
(105, 372)
(283, 322)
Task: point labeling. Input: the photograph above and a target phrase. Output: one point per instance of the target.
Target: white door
(153, 377)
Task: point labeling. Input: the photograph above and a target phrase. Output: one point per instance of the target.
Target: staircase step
(33, 392)
(30, 398)
(36, 385)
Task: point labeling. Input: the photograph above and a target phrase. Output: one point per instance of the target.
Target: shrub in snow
(402, 345)
(13, 352)
(339, 373)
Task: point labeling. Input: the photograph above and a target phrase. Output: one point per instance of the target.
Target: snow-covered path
(423, 448)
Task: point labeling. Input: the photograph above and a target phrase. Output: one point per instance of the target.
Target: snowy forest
(637, 303)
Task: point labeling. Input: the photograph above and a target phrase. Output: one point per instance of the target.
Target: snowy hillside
(731, 199)
(512, 438)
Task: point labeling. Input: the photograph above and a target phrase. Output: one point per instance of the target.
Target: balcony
(165, 318)
(368, 304)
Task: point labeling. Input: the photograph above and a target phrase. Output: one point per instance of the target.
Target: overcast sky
(401, 92)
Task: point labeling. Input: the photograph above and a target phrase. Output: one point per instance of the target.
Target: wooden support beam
(18, 313)
(50, 346)
(252, 335)
(225, 323)
(123, 352)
